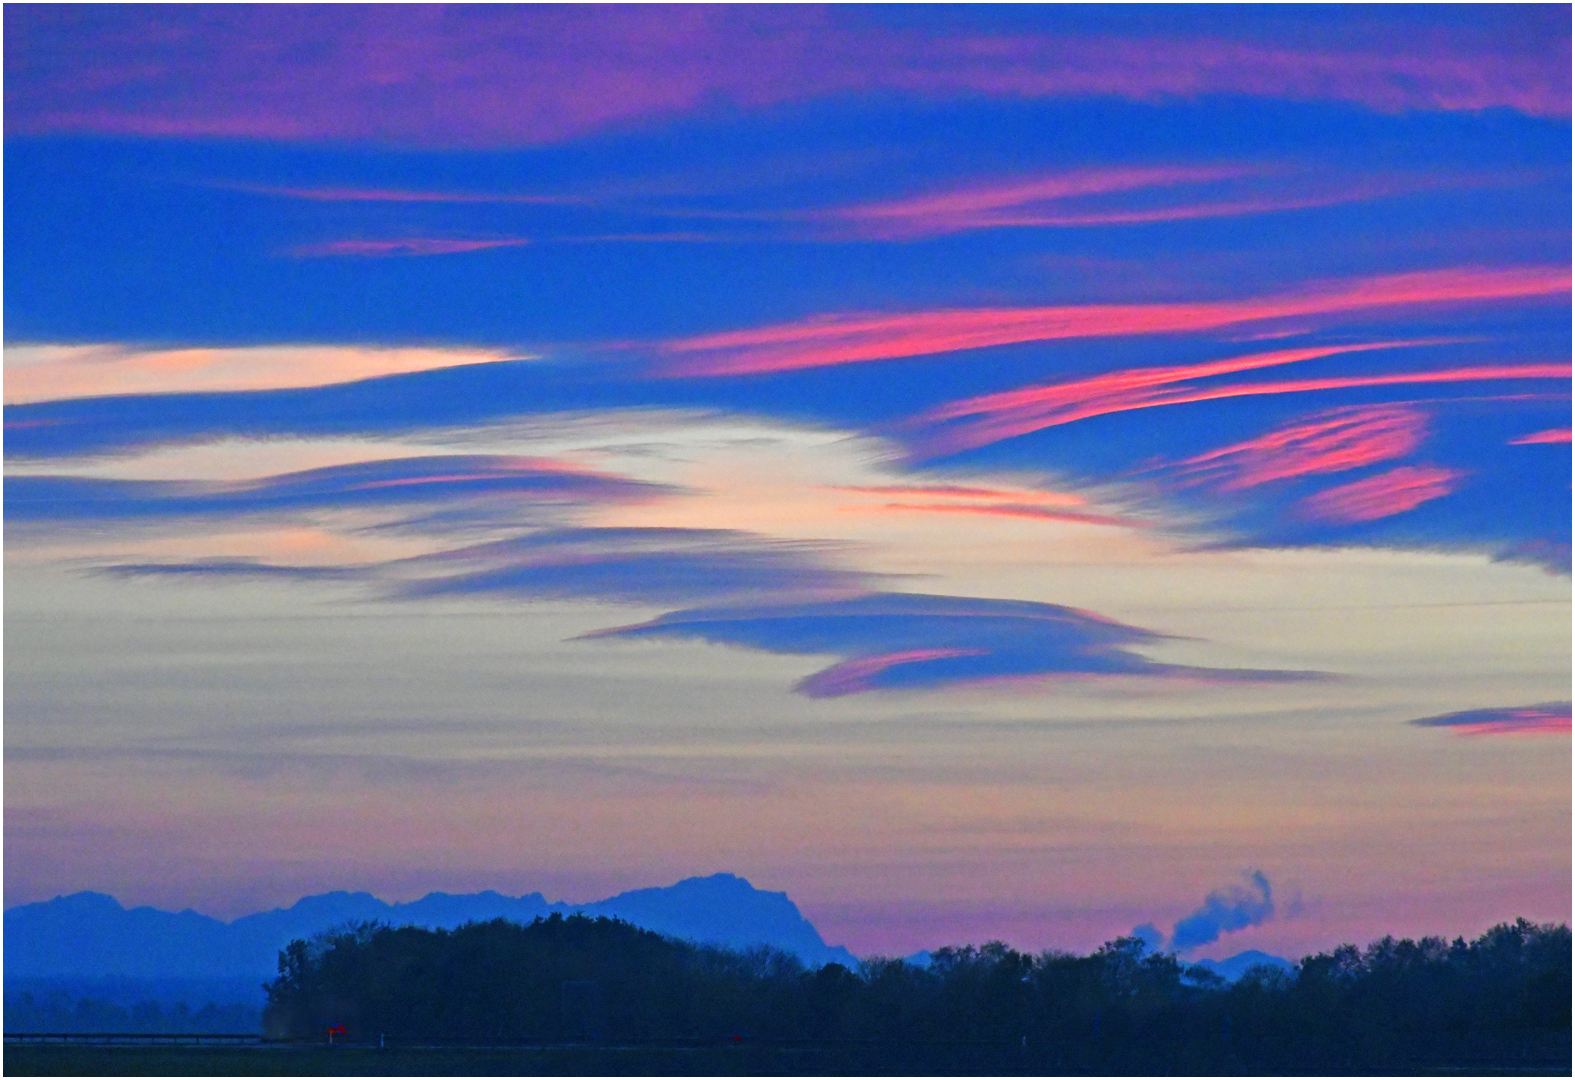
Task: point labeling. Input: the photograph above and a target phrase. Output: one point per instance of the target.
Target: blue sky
(990, 472)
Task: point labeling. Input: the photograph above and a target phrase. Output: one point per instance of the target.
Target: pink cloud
(1060, 200)
(1329, 442)
(501, 76)
(1540, 725)
(1381, 496)
(857, 338)
(1044, 407)
(1551, 718)
(416, 245)
(1011, 203)
(1553, 435)
(993, 502)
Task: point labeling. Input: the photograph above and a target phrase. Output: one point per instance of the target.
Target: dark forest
(1395, 1006)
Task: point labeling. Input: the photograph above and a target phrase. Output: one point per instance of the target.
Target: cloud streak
(1328, 442)
(438, 478)
(232, 569)
(1548, 718)
(625, 565)
(830, 340)
(1385, 495)
(911, 641)
(991, 502)
(1062, 200)
(1006, 416)
(635, 565)
(1023, 202)
(1552, 436)
(409, 246)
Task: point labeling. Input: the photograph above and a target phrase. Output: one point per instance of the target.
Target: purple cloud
(1548, 718)
(635, 565)
(438, 478)
(234, 569)
(892, 641)
(773, 595)
(507, 76)
(621, 565)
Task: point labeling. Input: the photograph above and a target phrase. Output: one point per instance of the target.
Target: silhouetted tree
(1120, 1008)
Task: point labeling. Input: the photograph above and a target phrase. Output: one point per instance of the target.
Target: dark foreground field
(1535, 1057)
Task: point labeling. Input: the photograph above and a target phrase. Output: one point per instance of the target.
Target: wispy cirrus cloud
(1548, 718)
(1082, 198)
(1551, 436)
(901, 641)
(995, 417)
(1074, 198)
(437, 478)
(432, 245)
(407, 246)
(991, 502)
(488, 77)
(1332, 441)
(1019, 202)
(1385, 495)
(860, 338)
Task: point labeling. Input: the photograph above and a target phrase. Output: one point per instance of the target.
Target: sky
(1013, 473)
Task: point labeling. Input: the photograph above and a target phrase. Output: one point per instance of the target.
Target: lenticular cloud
(1549, 718)
(909, 641)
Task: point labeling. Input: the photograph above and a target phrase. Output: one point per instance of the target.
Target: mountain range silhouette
(89, 935)
(88, 943)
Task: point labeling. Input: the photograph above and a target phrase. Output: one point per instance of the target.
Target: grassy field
(49, 1060)
(745, 1060)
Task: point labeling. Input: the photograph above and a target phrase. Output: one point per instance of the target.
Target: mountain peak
(90, 934)
(87, 900)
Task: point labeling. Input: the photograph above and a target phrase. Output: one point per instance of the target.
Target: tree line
(1392, 1006)
(63, 1011)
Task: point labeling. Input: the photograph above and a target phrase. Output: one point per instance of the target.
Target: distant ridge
(1234, 967)
(91, 936)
